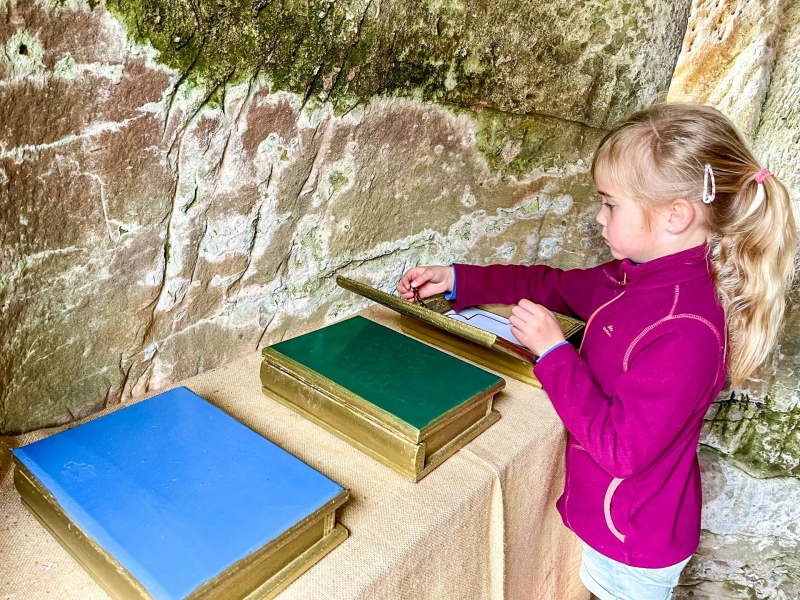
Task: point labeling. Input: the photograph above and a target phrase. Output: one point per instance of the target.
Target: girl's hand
(535, 327)
(428, 281)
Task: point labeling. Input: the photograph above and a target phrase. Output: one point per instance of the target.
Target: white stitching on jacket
(591, 318)
(617, 281)
(669, 317)
(675, 303)
(612, 487)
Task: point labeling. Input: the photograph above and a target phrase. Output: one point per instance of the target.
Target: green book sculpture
(398, 400)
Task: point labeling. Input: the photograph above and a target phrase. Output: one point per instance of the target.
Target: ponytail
(753, 246)
(659, 154)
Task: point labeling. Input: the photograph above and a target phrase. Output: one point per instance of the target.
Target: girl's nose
(600, 218)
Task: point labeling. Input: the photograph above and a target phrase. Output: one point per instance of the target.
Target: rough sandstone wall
(741, 56)
(182, 181)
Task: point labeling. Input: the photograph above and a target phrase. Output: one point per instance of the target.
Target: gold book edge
(281, 580)
(118, 582)
(469, 434)
(404, 457)
(517, 368)
(367, 410)
(414, 468)
(412, 309)
(412, 460)
(323, 409)
(103, 568)
(247, 573)
(433, 316)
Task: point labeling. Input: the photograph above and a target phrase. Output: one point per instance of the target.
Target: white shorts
(611, 580)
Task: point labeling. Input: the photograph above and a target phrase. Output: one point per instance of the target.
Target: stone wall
(742, 57)
(182, 181)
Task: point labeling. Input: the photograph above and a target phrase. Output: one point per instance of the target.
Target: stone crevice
(152, 308)
(251, 248)
(196, 110)
(180, 81)
(348, 52)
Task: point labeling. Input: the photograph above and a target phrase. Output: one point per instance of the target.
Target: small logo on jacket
(608, 329)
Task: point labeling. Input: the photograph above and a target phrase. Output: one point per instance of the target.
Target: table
(482, 525)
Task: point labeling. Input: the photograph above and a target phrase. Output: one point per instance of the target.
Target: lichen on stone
(23, 54)
(511, 56)
(762, 441)
(66, 69)
(518, 145)
(19, 268)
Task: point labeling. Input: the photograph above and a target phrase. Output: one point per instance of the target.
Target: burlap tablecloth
(482, 525)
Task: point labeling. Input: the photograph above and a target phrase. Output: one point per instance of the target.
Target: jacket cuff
(549, 350)
(547, 371)
(462, 275)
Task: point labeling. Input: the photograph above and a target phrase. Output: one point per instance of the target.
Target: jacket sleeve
(672, 375)
(566, 292)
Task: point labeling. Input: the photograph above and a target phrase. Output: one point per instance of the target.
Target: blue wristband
(548, 351)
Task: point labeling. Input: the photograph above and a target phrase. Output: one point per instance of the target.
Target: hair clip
(709, 173)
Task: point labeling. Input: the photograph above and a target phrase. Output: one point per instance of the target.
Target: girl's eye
(610, 206)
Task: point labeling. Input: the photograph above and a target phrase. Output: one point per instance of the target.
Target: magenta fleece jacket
(632, 399)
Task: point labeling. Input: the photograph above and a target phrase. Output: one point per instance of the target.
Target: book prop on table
(173, 498)
(481, 333)
(398, 400)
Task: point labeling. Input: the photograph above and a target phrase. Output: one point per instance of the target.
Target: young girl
(704, 242)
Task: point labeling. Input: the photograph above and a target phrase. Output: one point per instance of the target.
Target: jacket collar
(694, 263)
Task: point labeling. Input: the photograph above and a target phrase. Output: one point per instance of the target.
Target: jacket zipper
(586, 331)
(599, 308)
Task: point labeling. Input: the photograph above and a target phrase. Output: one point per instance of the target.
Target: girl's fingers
(427, 281)
(531, 307)
(422, 277)
(528, 311)
(404, 285)
(524, 315)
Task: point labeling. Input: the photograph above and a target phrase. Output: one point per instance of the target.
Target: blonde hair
(659, 154)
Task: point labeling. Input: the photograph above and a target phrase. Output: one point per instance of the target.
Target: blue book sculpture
(172, 498)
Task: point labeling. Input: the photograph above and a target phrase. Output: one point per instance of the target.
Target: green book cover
(396, 373)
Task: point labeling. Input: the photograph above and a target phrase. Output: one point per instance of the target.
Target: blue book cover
(175, 490)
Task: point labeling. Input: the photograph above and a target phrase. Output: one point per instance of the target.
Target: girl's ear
(680, 215)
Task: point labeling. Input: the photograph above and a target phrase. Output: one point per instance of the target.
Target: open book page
(500, 326)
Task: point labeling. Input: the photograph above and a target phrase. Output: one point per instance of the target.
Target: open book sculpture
(481, 334)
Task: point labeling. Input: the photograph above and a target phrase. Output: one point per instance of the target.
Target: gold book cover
(480, 334)
(394, 398)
